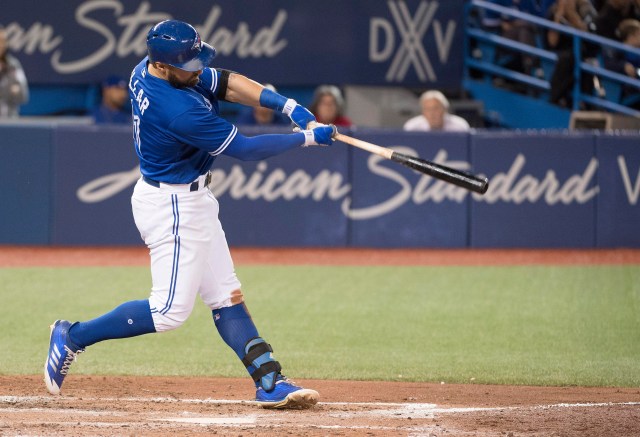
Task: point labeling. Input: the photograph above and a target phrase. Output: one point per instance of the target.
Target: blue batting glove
(321, 135)
(298, 114)
(301, 116)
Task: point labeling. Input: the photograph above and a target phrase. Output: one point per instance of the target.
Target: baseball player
(178, 134)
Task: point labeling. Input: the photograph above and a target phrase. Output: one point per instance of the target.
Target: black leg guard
(259, 362)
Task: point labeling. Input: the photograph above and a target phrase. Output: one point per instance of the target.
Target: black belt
(195, 186)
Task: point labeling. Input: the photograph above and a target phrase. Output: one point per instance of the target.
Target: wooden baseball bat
(438, 171)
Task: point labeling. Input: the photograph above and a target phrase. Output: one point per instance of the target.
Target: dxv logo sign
(410, 50)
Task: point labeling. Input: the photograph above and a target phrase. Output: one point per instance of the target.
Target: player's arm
(240, 89)
(199, 128)
(264, 146)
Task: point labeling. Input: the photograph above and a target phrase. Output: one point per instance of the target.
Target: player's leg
(176, 270)
(220, 291)
(167, 223)
(127, 320)
(273, 389)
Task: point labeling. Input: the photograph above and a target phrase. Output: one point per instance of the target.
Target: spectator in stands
(627, 63)
(14, 90)
(580, 15)
(612, 14)
(328, 106)
(523, 31)
(262, 116)
(629, 31)
(622, 62)
(115, 107)
(435, 115)
(520, 30)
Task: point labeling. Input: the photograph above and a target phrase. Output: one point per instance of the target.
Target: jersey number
(136, 132)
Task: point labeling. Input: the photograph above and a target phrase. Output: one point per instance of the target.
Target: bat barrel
(448, 174)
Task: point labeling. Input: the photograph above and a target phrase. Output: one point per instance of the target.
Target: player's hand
(299, 115)
(320, 135)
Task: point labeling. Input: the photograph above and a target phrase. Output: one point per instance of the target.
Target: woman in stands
(328, 106)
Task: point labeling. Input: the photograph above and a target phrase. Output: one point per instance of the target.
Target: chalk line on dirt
(28, 411)
(391, 407)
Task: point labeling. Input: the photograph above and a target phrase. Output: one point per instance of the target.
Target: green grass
(507, 325)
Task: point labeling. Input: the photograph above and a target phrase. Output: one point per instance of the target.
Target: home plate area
(117, 406)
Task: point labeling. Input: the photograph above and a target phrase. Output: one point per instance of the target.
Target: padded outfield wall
(71, 185)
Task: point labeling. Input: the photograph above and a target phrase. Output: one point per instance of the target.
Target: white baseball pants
(188, 248)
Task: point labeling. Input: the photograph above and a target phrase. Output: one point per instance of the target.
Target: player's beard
(177, 83)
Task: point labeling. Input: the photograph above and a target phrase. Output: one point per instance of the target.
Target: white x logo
(412, 51)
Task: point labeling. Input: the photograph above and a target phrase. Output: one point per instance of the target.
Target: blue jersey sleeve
(209, 82)
(198, 127)
(262, 146)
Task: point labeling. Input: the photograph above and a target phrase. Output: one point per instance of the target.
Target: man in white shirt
(435, 115)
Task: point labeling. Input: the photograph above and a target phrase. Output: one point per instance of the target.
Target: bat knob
(484, 186)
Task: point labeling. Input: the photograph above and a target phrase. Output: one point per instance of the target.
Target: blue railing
(484, 59)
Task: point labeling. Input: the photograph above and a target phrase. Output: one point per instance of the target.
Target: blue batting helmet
(178, 44)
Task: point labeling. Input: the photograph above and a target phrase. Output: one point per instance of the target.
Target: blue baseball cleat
(62, 352)
(286, 394)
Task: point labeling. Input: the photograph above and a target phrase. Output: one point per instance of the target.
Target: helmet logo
(197, 44)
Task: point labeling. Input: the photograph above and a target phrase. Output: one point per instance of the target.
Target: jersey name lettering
(143, 102)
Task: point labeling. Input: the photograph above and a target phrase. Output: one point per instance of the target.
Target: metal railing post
(577, 61)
